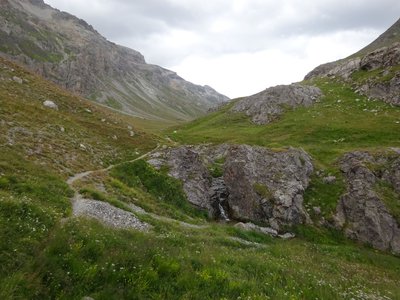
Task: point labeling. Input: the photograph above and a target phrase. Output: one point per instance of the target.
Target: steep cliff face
(242, 182)
(70, 52)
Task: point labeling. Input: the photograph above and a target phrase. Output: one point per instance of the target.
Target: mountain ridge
(69, 51)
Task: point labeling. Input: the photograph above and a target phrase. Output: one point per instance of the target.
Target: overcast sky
(239, 47)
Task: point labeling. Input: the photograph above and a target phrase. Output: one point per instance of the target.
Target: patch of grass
(86, 259)
(262, 191)
(32, 201)
(216, 170)
(159, 185)
(324, 195)
(113, 103)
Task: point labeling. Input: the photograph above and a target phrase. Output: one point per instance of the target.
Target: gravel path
(79, 176)
(102, 211)
(108, 214)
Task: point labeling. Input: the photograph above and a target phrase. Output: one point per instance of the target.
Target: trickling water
(223, 215)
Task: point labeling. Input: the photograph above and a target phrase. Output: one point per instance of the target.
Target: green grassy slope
(78, 136)
(46, 254)
(342, 121)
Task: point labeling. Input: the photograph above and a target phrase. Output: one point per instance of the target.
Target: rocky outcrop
(255, 184)
(361, 212)
(267, 105)
(267, 186)
(388, 91)
(384, 85)
(69, 52)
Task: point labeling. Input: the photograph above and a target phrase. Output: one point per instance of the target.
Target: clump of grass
(263, 191)
(216, 170)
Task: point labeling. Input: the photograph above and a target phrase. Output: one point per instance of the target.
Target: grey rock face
(186, 165)
(361, 212)
(267, 186)
(266, 106)
(257, 184)
(69, 52)
(388, 91)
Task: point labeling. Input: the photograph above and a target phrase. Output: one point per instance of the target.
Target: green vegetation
(140, 174)
(111, 102)
(263, 191)
(78, 136)
(324, 195)
(341, 122)
(216, 168)
(45, 253)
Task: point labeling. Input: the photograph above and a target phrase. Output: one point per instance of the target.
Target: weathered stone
(186, 165)
(267, 186)
(361, 212)
(266, 106)
(17, 80)
(50, 104)
(329, 180)
(317, 210)
(287, 236)
(250, 226)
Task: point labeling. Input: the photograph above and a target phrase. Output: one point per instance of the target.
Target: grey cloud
(256, 25)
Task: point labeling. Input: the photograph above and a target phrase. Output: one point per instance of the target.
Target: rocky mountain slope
(82, 215)
(69, 52)
(375, 70)
(345, 115)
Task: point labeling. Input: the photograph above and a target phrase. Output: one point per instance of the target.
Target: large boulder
(361, 212)
(267, 186)
(254, 184)
(269, 104)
